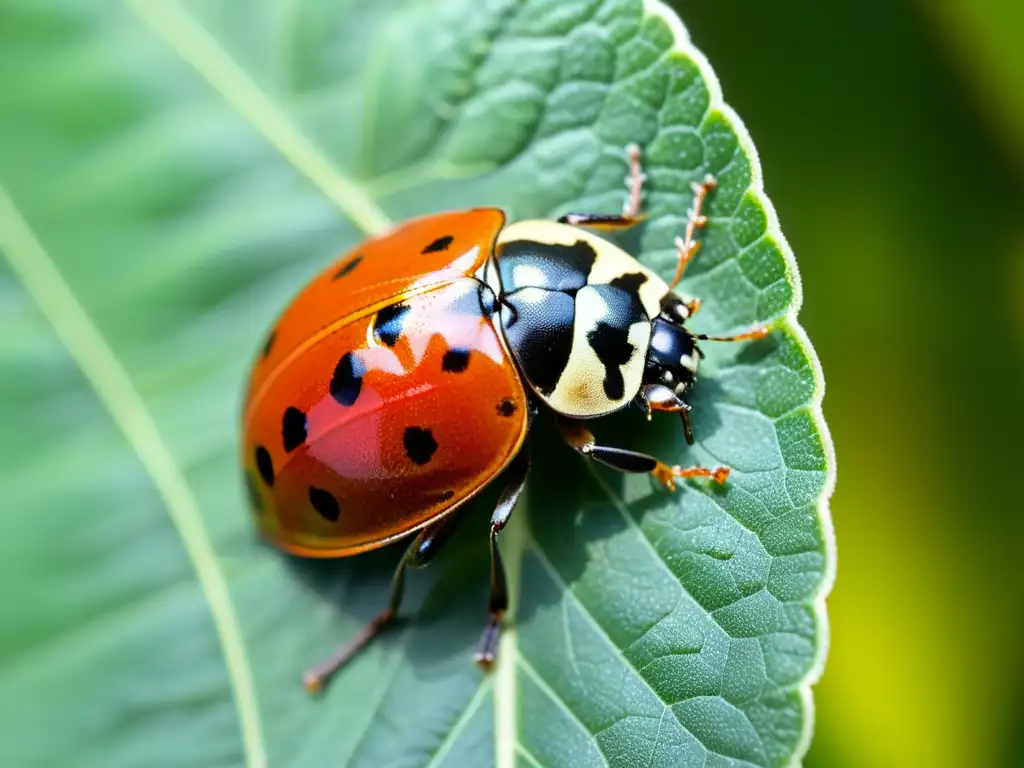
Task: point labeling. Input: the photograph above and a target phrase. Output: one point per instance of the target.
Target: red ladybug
(403, 379)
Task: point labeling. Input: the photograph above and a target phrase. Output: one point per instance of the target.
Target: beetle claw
(668, 476)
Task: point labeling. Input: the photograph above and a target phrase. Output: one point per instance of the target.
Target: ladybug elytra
(403, 379)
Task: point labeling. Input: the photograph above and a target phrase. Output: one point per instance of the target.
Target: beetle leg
(656, 397)
(686, 246)
(420, 552)
(498, 601)
(582, 440)
(631, 213)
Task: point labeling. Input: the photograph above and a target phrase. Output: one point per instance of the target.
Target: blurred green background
(892, 140)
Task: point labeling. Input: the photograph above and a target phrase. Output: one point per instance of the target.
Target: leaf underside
(170, 174)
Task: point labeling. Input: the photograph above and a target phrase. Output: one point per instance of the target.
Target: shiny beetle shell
(398, 383)
(384, 397)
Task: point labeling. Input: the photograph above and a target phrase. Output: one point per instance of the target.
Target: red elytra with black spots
(383, 397)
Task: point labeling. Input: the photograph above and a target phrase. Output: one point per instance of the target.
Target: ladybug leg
(420, 552)
(631, 213)
(686, 246)
(582, 440)
(655, 397)
(498, 602)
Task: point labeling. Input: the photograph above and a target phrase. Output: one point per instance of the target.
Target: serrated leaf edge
(683, 44)
(198, 48)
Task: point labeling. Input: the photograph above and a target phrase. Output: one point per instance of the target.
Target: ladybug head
(672, 360)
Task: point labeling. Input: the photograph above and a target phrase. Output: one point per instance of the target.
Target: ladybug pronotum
(404, 378)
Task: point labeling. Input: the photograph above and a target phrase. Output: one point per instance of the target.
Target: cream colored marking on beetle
(535, 297)
(580, 389)
(689, 362)
(528, 274)
(611, 261)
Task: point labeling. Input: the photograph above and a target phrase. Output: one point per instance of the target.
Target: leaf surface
(170, 174)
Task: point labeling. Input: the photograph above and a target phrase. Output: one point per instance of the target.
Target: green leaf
(170, 174)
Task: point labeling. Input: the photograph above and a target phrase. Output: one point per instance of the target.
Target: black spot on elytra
(506, 407)
(269, 343)
(265, 465)
(325, 504)
(253, 493)
(612, 347)
(446, 495)
(419, 444)
(387, 325)
(551, 266)
(293, 428)
(350, 263)
(441, 244)
(630, 282)
(347, 380)
(455, 360)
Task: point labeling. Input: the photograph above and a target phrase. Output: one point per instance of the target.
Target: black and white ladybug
(590, 328)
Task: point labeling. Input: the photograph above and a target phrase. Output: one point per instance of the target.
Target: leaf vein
(461, 722)
(632, 523)
(549, 567)
(382, 686)
(115, 389)
(528, 755)
(657, 738)
(197, 47)
(553, 695)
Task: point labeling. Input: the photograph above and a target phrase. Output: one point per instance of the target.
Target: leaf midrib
(197, 47)
(115, 389)
(201, 50)
(110, 380)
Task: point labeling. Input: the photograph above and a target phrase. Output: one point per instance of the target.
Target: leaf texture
(170, 174)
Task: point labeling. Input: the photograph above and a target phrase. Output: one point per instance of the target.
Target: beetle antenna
(755, 333)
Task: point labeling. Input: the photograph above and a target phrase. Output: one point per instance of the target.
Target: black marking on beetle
(624, 460)
(630, 282)
(507, 407)
(419, 445)
(255, 499)
(446, 495)
(293, 428)
(269, 343)
(265, 465)
(612, 347)
(325, 504)
(487, 300)
(350, 264)
(347, 380)
(441, 244)
(538, 327)
(674, 308)
(555, 267)
(387, 325)
(455, 360)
